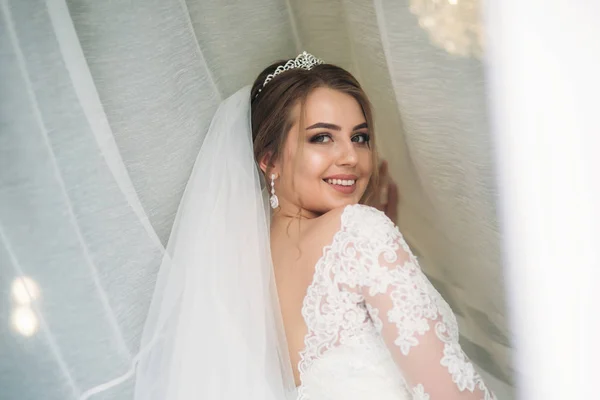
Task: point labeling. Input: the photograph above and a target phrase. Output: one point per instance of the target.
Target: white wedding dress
(377, 328)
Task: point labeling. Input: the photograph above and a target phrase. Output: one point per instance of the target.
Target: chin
(342, 195)
(331, 199)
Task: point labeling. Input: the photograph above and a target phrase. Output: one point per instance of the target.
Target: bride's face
(326, 162)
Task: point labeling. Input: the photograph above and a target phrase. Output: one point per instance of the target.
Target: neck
(288, 212)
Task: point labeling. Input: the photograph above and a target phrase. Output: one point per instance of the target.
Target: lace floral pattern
(368, 282)
(419, 393)
(331, 315)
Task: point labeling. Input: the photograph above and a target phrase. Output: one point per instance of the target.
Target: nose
(347, 154)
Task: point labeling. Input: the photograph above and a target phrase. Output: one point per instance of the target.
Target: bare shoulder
(324, 228)
(331, 218)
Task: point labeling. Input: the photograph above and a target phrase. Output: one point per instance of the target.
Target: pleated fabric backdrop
(103, 107)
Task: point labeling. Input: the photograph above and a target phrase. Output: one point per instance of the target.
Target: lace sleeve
(418, 326)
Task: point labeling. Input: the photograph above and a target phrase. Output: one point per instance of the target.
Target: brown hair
(273, 105)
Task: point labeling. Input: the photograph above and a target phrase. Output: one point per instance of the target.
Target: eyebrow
(325, 125)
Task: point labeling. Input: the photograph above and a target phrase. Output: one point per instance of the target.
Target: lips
(345, 184)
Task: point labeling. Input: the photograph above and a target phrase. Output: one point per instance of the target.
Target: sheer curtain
(103, 107)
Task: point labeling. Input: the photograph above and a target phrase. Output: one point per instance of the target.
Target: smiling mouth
(341, 182)
(345, 186)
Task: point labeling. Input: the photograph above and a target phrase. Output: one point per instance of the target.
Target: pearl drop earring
(273, 199)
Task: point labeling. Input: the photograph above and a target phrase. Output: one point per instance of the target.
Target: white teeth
(341, 182)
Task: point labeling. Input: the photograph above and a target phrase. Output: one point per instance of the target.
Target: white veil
(213, 329)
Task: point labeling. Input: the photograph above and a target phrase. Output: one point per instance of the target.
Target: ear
(267, 165)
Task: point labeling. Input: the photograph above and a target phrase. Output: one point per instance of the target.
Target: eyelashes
(359, 138)
(320, 138)
(364, 138)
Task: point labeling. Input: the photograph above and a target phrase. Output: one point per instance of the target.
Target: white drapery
(544, 84)
(103, 107)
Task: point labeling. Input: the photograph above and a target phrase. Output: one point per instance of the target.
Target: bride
(318, 297)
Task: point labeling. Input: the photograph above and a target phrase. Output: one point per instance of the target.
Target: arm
(416, 323)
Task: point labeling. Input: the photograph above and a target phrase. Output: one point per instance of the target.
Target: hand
(386, 194)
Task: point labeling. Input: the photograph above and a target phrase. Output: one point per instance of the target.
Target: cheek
(318, 162)
(313, 163)
(366, 162)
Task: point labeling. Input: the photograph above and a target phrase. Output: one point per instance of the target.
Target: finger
(383, 169)
(383, 194)
(392, 202)
(383, 183)
(393, 195)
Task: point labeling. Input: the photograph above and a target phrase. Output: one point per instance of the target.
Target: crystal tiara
(304, 60)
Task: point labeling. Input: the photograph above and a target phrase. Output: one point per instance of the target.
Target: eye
(361, 138)
(321, 138)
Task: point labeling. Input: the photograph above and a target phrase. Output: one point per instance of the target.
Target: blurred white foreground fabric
(543, 64)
